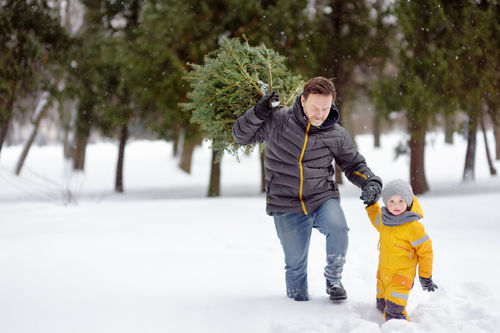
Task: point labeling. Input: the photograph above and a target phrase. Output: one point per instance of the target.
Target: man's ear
(302, 100)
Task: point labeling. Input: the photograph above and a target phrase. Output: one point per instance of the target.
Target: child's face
(396, 205)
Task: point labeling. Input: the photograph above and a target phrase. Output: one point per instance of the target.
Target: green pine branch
(230, 81)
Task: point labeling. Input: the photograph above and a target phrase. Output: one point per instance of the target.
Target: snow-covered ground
(164, 258)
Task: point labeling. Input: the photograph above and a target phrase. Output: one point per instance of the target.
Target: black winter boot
(336, 290)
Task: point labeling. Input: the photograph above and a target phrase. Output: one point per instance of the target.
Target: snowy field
(164, 258)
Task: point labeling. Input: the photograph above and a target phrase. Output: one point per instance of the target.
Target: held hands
(371, 192)
(267, 104)
(427, 284)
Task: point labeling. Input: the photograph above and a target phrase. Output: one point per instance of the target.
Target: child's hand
(427, 284)
(371, 192)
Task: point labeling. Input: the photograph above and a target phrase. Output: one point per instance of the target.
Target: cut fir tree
(231, 80)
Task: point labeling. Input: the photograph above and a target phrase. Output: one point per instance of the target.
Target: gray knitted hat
(398, 187)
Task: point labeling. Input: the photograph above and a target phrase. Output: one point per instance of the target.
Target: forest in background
(116, 69)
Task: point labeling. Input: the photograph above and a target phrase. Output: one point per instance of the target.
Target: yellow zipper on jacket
(302, 169)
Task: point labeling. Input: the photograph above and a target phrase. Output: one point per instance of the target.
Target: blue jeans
(294, 232)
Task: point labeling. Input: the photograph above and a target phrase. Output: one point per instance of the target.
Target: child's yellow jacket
(402, 247)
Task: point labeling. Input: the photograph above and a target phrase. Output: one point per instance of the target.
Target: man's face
(317, 107)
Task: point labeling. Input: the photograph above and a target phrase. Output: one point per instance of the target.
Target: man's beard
(316, 123)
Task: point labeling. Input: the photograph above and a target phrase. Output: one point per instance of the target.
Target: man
(302, 141)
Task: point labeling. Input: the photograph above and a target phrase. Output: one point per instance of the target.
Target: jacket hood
(332, 119)
(416, 208)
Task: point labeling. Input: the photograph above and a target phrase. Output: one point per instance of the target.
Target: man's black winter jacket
(299, 156)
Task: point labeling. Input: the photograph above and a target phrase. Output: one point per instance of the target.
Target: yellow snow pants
(392, 295)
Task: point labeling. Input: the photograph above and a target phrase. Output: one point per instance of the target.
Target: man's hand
(267, 104)
(427, 284)
(371, 192)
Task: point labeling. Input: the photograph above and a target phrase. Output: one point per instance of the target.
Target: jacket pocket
(402, 280)
(405, 249)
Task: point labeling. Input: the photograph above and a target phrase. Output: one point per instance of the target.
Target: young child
(403, 244)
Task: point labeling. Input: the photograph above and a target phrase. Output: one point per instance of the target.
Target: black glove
(266, 105)
(427, 284)
(371, 192)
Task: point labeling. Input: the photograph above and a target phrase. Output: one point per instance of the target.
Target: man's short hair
(319, 85)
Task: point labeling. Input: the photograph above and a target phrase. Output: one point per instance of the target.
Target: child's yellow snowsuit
(401, 248)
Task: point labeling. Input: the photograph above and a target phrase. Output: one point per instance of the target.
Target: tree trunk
(449, 129)
(377, 124)
(66, 145)
(496, 133)
(66, 126)
(175, 146)
(9, 107)
(338, 174)
(32, 137)
(83, 123)
(214, 186)
(493, 171)
(340, 80)
(338, 171)
(262, 154)
(190, 139)
(470, 155)
(3, 132)
(187, 155)
(121, 158)
(178, 135)
(79, 152)
(418, 180)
